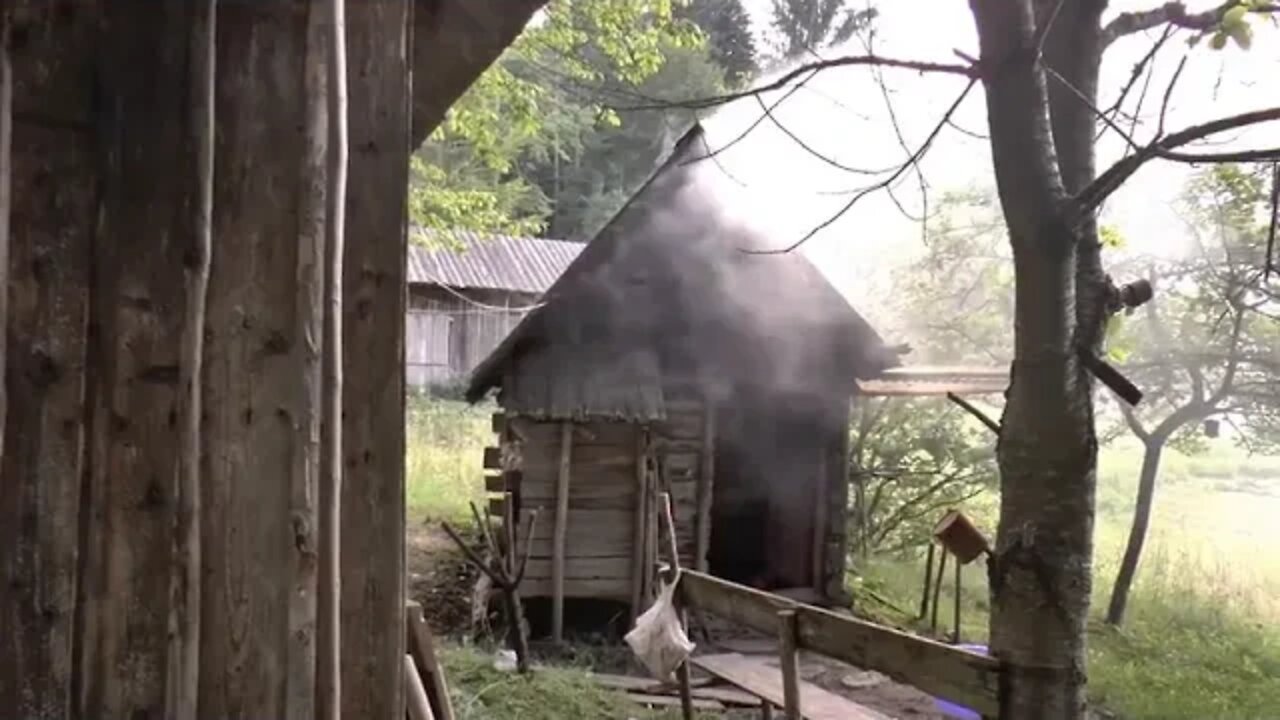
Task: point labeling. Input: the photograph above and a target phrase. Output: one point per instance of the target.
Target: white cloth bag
(658, 639)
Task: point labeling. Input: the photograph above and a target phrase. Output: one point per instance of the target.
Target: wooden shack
(667, 359)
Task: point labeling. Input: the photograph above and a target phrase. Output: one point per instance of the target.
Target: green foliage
(444, 456)
(804, 27)
(1208, 342)
(482, 693)
(727, 26)
(910, 460)
(468, 174)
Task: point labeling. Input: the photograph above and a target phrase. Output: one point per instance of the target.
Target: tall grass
(1202, 636)
(444, 457)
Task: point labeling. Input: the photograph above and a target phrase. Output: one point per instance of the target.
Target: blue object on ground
(952, 710)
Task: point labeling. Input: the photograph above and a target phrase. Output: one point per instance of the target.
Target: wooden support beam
(418, 707)
(422, 650)
(638, 562)
(820, 512)
(495, 482)
(561, 528)
(497, 422)
(673, 550)
(706, 486)
(789, 661)
(957, 675)
(937, 589)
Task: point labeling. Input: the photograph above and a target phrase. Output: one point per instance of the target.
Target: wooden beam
(942, 671)
(422, 650)
(820, 511)
(561, 528)
(706, 485)
(789, 661)
(497, 422)
(492, 458)
(418, 707)
(495, 482)
(638, 565)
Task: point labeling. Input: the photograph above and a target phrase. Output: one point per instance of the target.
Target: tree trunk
(1138, 531)
(1041, 570)
(6, 177)
(373, 522)
(52, 218)
(262, 364)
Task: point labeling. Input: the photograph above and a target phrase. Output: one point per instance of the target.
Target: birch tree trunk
(262, 374)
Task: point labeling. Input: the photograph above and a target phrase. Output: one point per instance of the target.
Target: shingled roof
(666, 283)
(488, 262)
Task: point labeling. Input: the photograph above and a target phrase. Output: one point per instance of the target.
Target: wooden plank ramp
(758, 677)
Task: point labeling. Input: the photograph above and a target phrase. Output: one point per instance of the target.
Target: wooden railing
(943, 671)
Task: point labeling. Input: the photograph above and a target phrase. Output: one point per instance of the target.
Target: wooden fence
(947, 672)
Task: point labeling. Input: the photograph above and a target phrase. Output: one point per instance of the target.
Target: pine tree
(729, 39)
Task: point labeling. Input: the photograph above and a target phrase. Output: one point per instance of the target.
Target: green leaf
(1234, 17)
(1110, 237)
(1219, 41)
(1242, 34)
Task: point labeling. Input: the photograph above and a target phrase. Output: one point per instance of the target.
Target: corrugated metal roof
(488, 262)
(922, 381)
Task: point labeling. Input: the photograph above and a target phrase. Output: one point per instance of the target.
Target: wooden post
(820, 511)
(928, 577)
(766, 710)
(937, 589)
(638, 567)
(789, 660)
(422, 649)
(956, 634)
(418, 707)
(673, 548)
(706, 485)
(561, 527)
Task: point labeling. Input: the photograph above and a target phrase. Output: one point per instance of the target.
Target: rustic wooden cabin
(467, 293)
(667, 359)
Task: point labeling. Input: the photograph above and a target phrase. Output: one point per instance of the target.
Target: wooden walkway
(762, 679)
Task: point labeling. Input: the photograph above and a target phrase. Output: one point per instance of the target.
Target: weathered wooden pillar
(52, 168)
(262, 364)
(373, 509)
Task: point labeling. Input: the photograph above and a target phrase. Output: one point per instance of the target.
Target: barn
(467, 292)
(666, 358)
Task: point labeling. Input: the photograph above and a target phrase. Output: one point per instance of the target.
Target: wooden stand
(673, 549)
(789, 660)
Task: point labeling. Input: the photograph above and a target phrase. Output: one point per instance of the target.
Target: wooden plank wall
(454, 335)
(601, 515)
(679, 448)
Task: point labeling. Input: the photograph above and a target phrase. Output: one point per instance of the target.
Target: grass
(1202, 636)
(1202, 640)
(548, 693)
(444, 457)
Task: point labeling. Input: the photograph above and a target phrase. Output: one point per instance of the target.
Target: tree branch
(1175, 14)
(968, 71)
(974, 411)
(1110, 180)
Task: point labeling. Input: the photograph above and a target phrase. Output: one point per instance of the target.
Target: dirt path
(440, 579)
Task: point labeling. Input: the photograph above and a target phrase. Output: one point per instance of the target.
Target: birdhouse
(959, 536)
(1211, 428)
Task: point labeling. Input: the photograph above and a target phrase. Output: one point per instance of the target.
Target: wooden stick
(955, 637)
(422, 649)
(416, 693)
(928, 576)
(471, 555)
(937, 589)
(766, 710)
(974, 411)
(673, 548)
(789, 660)
(819, 540)
(329, 630)
(528, 545)
(638, 568)
(561, 527)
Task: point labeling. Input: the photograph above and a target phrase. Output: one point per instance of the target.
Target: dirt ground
(442, 581)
